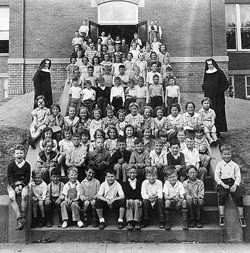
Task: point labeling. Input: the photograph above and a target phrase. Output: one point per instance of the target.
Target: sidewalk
(124, 248)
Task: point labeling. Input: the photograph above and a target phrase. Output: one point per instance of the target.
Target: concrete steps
(208, 234)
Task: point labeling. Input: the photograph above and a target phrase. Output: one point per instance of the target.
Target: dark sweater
(119, 155)
(179, 161)
(131, 193)
(15, 174)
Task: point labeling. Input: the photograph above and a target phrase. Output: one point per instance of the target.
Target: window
(238, 26)
(4, 29)
(247, 83)
(231, 91)
(117, 13)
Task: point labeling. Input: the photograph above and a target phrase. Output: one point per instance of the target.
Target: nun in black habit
(42, 82)
(214, 85)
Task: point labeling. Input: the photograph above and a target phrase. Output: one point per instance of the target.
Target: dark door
(142, 28)
(93, 31)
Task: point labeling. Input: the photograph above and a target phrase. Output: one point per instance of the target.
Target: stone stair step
(208, 234)
(209, 183)
(210, 198)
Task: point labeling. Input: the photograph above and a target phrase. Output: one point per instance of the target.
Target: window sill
(239, 51)
(4, 54)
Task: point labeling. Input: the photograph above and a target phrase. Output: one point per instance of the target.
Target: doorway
(123, 31)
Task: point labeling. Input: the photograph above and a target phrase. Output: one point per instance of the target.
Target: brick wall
(16, 29)
(186, 25)
(218, 41)
(239, 86)
(58, 77)
(50, 26)
(190, 75)
(4, 64)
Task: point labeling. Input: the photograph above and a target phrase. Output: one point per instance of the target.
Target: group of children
(133, 198)
(124, 144)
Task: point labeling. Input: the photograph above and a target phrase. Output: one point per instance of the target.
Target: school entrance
(123, 31)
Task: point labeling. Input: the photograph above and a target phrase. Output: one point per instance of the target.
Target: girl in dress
(148, 121)
(64, 146)
(84, 121)
(96, 123)
(47, 134)
(129, 134)
(149, 142)
(72, 120)
(121, 123)
(39, 116)
(191, 119)
(55, 120)
(175, 120)
(111, 143)
(160, 120)
(97, 67)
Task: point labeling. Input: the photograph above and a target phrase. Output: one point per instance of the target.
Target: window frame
(247, 76)
(6, 31)
(238, 30)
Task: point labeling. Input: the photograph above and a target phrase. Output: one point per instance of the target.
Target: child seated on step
(88, 96)
(110, 196)
(71, 192)
(176, 158)
(158, 159)
(134, 118)
(120, 160)
(47, 134)
(181, 138)
(88, 194)
(174, 195)
(76, 156)
(201, 143)
(191, 119)
(111, 143)
(47, 159)
(38, 189)
(194, 189)
(71, 120)
(152, 198)
(132, 191)
(110, 119)
(39, 118)
(208, 119)
(96, 122)
(228, 177)
(54, 197)
(64, 146)
(140, 158)
(18, 173)
(121, 123)
(55, 121)
(75, 95)
(192, 157)
(101, 157)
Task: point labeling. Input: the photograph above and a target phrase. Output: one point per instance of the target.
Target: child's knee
(86, 203)
(117, 167)
(167, 203)
(25, 193)
(184, 204)
(41, 203)
(12, 195)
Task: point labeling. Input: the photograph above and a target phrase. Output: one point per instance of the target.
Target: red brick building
(192, 30)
